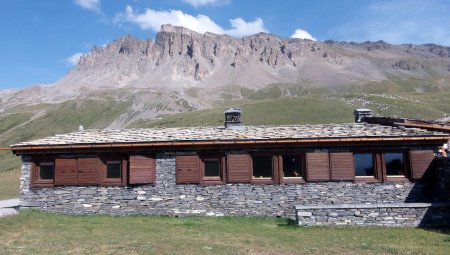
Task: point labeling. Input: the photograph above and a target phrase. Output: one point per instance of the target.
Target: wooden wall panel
(66, 171)
(239, 167)
(187, 169)
(420, 162)
(317, 166)
(142, 169)
(342, 166)
(88, 170)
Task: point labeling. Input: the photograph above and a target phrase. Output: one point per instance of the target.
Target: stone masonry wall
(441, 187)
(392, 215)
(167, 198)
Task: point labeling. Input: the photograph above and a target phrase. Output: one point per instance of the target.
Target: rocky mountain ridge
(183, 70)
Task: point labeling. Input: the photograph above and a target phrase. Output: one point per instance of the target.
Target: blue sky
(42, 40)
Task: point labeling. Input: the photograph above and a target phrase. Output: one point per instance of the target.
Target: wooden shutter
(66, 171)
(342, 166)
(239, 167)
(317, 166)
(188, 169)
(88, 171)
(420, 162)
(142, 169)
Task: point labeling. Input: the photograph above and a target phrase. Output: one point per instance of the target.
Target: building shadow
(432, 194)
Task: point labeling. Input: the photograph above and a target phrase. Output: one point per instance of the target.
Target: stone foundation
(392, 215)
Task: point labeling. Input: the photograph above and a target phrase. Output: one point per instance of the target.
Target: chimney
(361, 113)
(233, 118)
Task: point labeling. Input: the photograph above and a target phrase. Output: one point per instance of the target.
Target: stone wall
(167, 198)
(441, 187)
(392, 215)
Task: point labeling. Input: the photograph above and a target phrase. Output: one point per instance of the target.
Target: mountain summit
(180, 58)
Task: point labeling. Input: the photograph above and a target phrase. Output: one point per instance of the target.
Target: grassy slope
(313, 109)
(268, 112)
(39, 233)
(66, 117)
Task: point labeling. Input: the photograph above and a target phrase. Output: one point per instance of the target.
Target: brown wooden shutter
(239, 167)
(66, 171)
(88, 170)
(420, 162)
(188, 169)
(317, 166)
(142, 169)
(342, 166)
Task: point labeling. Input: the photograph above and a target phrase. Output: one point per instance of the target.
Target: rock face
(179, 60)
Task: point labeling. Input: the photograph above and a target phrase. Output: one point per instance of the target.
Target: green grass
(9, 184)
(270, 112)
(34, 232)
(314, 109)
(64, 117)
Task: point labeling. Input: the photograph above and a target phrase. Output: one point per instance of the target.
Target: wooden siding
(317, 166)
(239, 167)
(66, 171)
(88, 169)
(142, 169)
(420, 162)
(188, 169)
(342, 166)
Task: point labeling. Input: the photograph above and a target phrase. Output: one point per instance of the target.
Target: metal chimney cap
(363, 110)
(231, 110)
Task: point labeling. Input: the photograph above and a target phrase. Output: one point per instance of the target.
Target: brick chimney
(361, 113)
(233, 118)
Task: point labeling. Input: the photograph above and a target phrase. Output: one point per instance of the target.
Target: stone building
(358, 173)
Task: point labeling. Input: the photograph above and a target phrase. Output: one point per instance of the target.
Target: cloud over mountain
(153, 19)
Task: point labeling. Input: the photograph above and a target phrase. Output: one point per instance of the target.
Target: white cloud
(93, 5)
(197, 3)
(74, 59)
(152, 19)
(302, 34)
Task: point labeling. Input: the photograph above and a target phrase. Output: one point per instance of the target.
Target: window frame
(380, 169)
(122, 181)
(275, 173)
(377, 174)
(36, 180)
(292, 180)
(396, 178)
(220, 179)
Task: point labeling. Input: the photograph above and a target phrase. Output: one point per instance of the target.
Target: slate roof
(247, 133)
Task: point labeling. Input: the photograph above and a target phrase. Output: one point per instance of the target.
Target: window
(292, 166)
(262, 167)
(43, 173)
(394, 164)
(46, 171)
(212, 169)
(113, 169)
(364, 165)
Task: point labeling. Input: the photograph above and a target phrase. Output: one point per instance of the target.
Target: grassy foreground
(34, 232)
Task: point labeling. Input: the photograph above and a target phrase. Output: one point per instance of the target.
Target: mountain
(180, 59)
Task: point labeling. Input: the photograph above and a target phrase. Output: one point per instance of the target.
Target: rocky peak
(180, 57)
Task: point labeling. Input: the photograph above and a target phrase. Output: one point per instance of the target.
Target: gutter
(224, 142)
